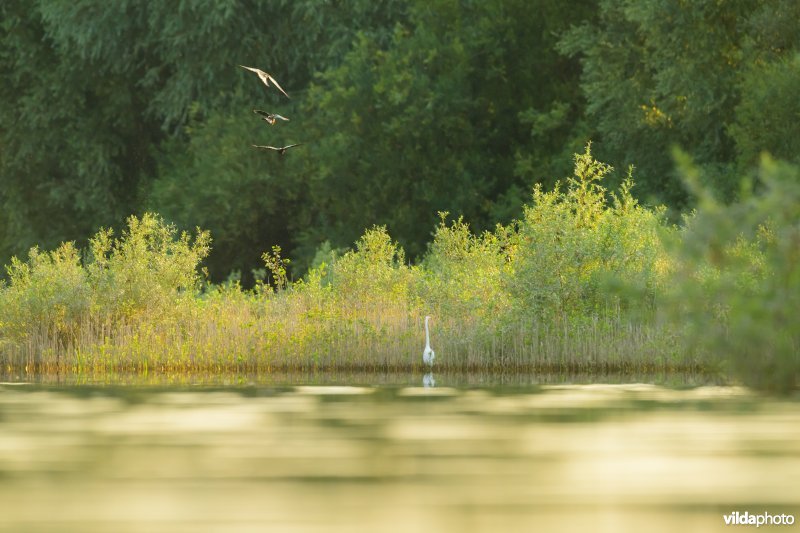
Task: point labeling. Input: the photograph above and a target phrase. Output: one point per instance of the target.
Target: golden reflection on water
(337, 458)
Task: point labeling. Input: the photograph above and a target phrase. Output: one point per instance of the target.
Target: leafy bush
(375, 269)
(736, 285)
(145, 270)
(463, 272)
(572, 240)
(141, 275)
(49, 290)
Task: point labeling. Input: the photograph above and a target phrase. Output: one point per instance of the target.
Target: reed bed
(370, 342)
(318, 328)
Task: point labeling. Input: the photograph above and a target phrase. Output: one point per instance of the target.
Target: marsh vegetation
(586, 280)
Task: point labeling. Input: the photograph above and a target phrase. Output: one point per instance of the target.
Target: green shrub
(49, 291)
(572, 240)
(736, 285)
(145, 270)
(141, 275)
(462, 272)
(375, 270)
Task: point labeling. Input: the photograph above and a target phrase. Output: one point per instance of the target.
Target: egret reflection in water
(428, 381)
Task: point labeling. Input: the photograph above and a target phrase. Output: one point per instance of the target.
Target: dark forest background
(405, 109)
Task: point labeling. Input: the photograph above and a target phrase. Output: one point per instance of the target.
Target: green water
(483, 455)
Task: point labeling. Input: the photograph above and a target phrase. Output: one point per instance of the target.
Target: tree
(437, 118)
(766, 117)
(672, 72)
(74, 143)
(97, 97)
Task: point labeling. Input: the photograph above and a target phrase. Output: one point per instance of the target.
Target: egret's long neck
(427, 333)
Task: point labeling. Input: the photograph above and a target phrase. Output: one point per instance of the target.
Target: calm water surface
(385, 456)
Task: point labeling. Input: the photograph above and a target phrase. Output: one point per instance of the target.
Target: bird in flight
(281, 150)
(269, 117)
(266, 78)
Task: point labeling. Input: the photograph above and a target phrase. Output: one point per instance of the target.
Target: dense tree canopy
(693, 74)
(431, 120)
(405, 108)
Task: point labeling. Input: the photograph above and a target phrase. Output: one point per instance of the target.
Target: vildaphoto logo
(764, 519)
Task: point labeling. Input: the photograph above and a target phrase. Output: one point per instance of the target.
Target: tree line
(405, 108)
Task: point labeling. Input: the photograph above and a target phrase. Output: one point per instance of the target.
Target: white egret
(427, 354)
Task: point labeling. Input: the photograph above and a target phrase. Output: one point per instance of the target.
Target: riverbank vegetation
(435, 177)
(587, 279)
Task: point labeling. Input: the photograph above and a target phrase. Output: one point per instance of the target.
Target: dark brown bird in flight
(266, 78)
(269, 117)
(281, 150)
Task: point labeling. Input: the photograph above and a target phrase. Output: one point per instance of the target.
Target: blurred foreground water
(392, 458)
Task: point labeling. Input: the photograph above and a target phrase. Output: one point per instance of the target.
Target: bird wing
(266, 147)
(280, 117)
(277, 85)
(262, 113)
(290, 146)
(266, 78)
(263, 76)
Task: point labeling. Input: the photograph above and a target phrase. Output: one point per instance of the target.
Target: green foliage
(406, 108)
(527, 293)
(667, 72)
(277, 267)
(767, 116)
(75, 143)
(141, 275)
(216, 180)
(97, 96)
(571, 241)
(375, 269)
(736, 286)
(534, 290)
(50, 289)
(146, 269)
(427, 120)
(463, 272)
